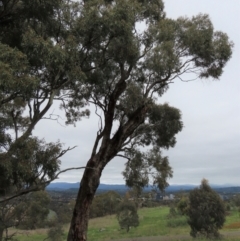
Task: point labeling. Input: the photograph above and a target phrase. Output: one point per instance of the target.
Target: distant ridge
(107, 187)
(63, 185)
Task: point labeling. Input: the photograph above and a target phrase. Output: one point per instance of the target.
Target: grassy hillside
(153, 222)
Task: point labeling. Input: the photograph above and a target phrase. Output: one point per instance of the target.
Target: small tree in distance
(206, 212)
(182, 206)
(127, 215)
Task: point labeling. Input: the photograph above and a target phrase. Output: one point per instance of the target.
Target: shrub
(206, 212)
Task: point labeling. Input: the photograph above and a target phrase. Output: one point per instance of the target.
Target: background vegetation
(153, 222)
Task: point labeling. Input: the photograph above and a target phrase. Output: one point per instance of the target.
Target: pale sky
(209, 144)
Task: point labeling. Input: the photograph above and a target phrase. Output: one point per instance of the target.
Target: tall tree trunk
(89, 184)
(91, 177)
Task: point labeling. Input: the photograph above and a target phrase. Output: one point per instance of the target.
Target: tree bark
(89, 184)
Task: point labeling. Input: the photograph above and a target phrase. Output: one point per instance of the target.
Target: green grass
(232, 218)
(36, 235)
(153, 222)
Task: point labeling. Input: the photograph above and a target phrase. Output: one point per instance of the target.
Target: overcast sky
(209, 144)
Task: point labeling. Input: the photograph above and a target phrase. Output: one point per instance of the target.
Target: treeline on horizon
(122, 188)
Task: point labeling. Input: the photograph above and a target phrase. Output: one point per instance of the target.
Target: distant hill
(66, 185)
(123, 188)
(63, 185)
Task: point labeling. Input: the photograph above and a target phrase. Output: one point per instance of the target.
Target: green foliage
(175, 219)
(14, 75)
(55, 233)
(182, 206)
(206, 212)
(36, 209)
(105, 204)
(37, 64)
(27, 212)
(172, 212)
(143, 165)
(127, 215)
(63, 211)
(162, 125)
(39, 163)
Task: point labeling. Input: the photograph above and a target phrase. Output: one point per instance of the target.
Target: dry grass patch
(233, 226)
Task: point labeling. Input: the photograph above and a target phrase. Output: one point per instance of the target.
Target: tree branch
(40, 186)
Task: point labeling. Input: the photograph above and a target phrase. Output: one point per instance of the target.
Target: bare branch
(70, 169)
(40, 186)
(54, 119)
(125, 157)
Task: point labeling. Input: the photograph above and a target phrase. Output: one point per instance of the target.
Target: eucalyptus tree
(38, 65)
(131, 53)
(120, 56)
